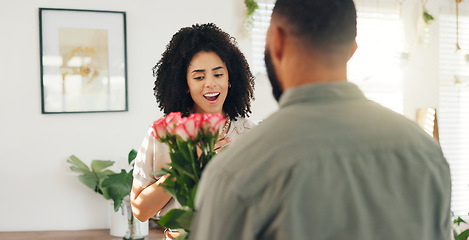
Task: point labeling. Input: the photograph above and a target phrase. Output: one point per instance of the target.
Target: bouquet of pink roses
(191, 141)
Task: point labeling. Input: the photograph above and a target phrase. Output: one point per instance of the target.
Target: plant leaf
(181, 169)
(251, 6)
(185, 220)
(464, 235)
(102, 176)
(459, 220)
(90, 180)
(117, 186)
(108, 172)
(80, 170)
(77, 163)
(105, 193)
(98, 165)
(427, 17)
(177, 218)
(132, 155)
(171, 190)
(192, 198)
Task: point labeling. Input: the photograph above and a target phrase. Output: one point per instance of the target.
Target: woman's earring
(229, 85)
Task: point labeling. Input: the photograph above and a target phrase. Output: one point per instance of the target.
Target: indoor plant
(111, 185)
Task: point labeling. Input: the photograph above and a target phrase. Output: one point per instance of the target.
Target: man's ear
(277, 43)
(354, 48)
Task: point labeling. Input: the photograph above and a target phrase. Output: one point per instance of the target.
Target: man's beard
(276, 89)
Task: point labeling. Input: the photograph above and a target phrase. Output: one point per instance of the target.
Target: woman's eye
(219, 75)
(199, 77)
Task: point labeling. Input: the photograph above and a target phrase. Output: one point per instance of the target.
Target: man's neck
(309, 72)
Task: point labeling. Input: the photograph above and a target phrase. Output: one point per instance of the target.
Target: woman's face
(207, 78)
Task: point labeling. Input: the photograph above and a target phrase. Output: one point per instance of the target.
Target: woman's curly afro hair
(171, 89)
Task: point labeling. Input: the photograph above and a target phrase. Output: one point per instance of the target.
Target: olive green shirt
(328, 165)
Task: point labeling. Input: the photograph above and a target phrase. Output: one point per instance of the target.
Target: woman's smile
(212, 97)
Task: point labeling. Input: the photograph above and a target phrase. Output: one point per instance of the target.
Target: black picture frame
(83, 61)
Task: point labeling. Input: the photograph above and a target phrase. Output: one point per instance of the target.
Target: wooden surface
(98, 234)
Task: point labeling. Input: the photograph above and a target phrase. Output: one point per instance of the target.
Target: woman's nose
(210, 82)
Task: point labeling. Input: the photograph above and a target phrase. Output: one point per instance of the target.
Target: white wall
(421, 78)
(38, 191)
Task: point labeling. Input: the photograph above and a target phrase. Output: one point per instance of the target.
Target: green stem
(196, 176)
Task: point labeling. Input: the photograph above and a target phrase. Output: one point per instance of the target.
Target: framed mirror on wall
(83, 57)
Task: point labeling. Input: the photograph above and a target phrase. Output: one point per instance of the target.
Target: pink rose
(159, 129)
(193, 125)
(171, 120)
(198, 118)
(219, 125)
(189, 127)
(180, 130)
(212, 123)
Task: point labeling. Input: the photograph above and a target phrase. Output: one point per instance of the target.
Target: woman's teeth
(211, 96)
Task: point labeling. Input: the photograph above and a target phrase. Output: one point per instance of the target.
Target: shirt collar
(317, 92)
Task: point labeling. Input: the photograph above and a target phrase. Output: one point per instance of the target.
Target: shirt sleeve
(151, 156)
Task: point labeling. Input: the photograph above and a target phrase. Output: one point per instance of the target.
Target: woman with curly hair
(201, 71)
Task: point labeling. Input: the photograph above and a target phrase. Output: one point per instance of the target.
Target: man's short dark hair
(319, 23)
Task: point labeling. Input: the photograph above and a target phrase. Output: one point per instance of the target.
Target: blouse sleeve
(151, 156)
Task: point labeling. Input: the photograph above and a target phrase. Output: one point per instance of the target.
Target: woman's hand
(222, 142)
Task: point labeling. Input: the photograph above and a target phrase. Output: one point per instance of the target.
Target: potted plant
(112, 186)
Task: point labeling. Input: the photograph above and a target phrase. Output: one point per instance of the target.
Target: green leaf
(177, 218)
(80, 170)
(251, 6)
(162, 171)
(98, 165)
(105, 193)
(178, 158)
(77, 163)
(464, 235)
(181, 169)
(90, 180)
(102, 175)
(191, 203)
(117, 186)
(169, 219)
(459, 220)
(427, 17)
(108, 172)
(132, 155)
(185, 220)
(170, 189)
